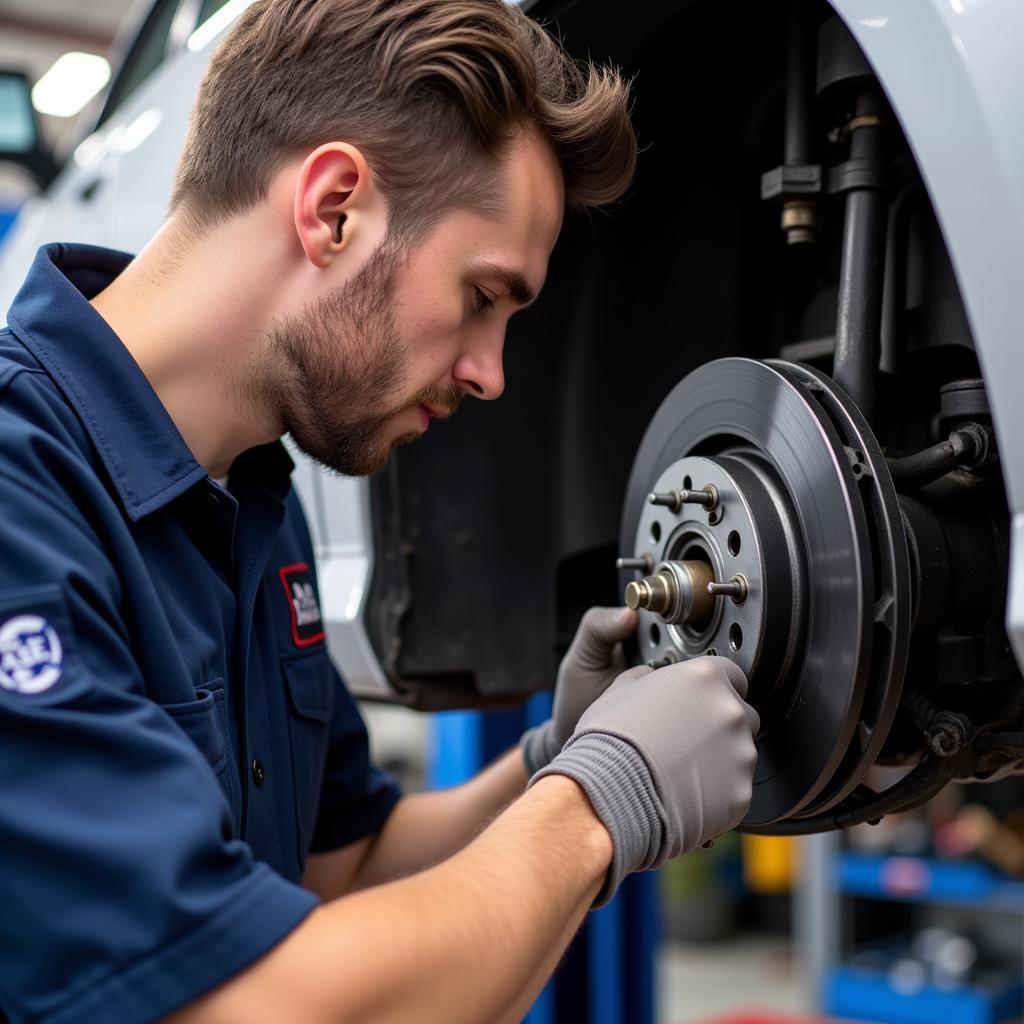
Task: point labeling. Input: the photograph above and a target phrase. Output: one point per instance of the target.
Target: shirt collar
(147, 458)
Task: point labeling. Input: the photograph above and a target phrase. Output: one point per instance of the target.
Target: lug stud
(669, 500)
(644, 562)
(736, 588)
(707, 497)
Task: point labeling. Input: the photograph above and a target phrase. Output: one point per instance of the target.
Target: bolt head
(945, 739)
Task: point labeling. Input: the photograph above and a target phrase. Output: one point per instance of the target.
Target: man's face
(365, 367)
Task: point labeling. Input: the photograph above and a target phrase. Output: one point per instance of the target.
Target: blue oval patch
(31, 654)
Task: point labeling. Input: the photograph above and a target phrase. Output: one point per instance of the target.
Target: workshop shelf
(864, 994)
(928, 880)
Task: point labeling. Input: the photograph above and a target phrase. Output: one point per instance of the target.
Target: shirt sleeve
(124, 896)
(357, 796)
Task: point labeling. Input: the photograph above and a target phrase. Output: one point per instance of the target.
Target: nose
(479, 370)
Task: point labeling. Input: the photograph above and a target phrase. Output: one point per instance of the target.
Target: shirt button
(212, 501)
(259, 773)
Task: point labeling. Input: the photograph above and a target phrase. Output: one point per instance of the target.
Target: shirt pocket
(310, 683)
(205, 722)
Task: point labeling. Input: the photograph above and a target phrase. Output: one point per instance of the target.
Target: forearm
(427, 828)
(470, 940)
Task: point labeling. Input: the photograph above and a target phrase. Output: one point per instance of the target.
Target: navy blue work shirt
(174, 739)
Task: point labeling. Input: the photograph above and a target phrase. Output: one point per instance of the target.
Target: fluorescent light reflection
(72, 81)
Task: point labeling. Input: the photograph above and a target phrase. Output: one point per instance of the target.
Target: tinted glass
(145, 56)
(17, 125)
(210, 7)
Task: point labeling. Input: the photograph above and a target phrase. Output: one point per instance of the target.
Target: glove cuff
(620, 787)
(538, 746)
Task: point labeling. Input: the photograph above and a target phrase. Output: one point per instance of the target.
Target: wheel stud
(642, 562)
(736, 588)
(707, 497)
(669, 500)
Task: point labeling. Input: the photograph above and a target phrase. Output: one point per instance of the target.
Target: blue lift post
(607, 976)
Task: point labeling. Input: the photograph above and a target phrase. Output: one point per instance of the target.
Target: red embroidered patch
(303, 604)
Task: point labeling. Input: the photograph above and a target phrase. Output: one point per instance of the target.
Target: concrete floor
(697, 983)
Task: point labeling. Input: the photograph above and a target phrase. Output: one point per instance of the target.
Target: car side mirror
(20, 140)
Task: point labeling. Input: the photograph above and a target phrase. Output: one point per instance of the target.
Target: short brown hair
(401, 79)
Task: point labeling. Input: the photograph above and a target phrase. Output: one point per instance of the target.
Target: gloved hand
(589, 667)
(667, 759)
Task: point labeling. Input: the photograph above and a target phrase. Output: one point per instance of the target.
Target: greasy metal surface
(746, 409)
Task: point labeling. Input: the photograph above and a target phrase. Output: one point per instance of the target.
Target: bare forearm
(427, 828)
(468, 941)
(517, 1011)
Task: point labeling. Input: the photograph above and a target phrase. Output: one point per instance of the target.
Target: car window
(210, 8)
(145, 56)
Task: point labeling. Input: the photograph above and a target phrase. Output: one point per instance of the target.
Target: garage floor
(697, 983)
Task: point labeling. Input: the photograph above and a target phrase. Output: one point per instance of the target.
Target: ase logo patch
(31, 654)
(303, 606)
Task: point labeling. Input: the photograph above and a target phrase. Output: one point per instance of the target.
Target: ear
(333, 189)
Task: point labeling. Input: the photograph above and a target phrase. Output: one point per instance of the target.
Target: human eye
(482, 302)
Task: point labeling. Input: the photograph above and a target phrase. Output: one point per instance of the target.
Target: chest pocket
(310, 684)
(205, 722)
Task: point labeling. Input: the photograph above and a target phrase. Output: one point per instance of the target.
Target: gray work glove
(667, 759)
(589, 667)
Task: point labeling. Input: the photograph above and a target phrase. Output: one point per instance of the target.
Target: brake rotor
(764, 479)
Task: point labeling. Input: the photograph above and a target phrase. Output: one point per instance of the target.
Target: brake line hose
(969, 445)
(916, 788)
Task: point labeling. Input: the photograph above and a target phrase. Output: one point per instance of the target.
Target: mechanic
(189, 820)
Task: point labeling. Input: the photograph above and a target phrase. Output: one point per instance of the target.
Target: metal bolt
(736, 588)
(947, 734)
(799, 221)
(705, 496)
(642, 562)
(669, 500)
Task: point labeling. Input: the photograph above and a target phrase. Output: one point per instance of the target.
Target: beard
(333, 375)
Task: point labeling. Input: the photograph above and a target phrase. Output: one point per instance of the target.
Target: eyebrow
(515, 283)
